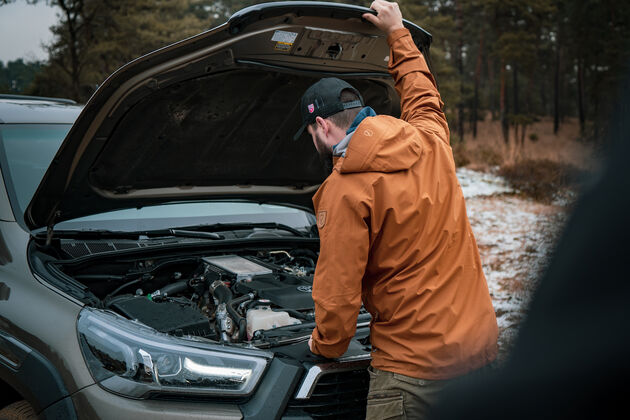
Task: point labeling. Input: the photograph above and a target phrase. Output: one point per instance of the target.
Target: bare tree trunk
(71, 24)
(73, 9)
(460, 69)
(515, 106)
(556, 92)
(515, 133)
(594, 98)
(580, 86)
(546, 107)
(515, 89)
(503, 103)
(475, 115)
(528, 92)
(491, 86)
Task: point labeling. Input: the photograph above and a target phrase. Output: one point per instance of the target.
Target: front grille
(337, 395)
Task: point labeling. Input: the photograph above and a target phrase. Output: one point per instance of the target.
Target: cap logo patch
(321, 219)
(311, 108)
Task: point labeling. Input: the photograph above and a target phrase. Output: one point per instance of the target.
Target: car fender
(33, 376)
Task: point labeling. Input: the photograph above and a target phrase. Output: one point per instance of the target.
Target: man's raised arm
(420, 100)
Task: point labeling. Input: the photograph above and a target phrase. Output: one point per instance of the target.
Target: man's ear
(323, 124)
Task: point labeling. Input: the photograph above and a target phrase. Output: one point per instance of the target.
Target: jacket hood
(381, 144)
(212, 117)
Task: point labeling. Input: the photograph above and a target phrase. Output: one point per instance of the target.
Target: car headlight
(131, 359)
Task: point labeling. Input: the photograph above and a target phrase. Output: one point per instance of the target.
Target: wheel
(19, 410)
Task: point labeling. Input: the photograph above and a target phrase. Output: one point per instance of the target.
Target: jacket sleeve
(344, 247)
(420, 101)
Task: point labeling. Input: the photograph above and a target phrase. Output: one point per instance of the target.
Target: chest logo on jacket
(321, 219)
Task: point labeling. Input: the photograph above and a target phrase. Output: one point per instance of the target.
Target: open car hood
(213, 116)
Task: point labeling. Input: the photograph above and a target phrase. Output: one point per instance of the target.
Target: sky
(23, 29)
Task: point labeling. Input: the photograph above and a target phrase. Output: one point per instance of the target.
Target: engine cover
(286, 291)
(168, 317)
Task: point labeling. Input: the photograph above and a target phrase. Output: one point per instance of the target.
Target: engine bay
(234, 297)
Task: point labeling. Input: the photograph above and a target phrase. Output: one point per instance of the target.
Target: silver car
(157, 246)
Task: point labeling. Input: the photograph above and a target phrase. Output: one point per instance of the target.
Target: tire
(19, 410)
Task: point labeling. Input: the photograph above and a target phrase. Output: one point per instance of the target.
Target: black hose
(107, 277)
(296, 314)
(253, 303)
(241, 299)
(224, 295)
(294, 327)
(221, 292)
(170, 289)
(124, 286)
(242, 328)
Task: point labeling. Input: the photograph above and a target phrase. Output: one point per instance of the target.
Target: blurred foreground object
(571, 357)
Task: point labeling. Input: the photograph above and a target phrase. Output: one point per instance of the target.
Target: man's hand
(388, 18)
(310, 344)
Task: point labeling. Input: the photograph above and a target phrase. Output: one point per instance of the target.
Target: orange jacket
(395, 235)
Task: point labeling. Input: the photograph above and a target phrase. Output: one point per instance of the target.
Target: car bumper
(94, 402)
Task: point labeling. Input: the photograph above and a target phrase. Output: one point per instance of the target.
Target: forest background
(508, 69)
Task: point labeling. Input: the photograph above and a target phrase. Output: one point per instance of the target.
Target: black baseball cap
(323, 99)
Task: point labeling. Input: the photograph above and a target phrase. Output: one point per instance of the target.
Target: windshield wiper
(218, 227)
(197, 231)
(104, 234)
(184, 233)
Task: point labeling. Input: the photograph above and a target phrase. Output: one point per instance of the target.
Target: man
(395, 236)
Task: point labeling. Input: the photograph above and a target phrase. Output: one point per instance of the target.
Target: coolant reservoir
(265, 319)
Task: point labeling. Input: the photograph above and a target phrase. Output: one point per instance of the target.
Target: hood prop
(50, 227)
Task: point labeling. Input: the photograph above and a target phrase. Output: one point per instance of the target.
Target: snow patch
(515, 237)
(478, 184)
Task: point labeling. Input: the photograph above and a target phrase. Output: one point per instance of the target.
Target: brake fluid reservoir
(265, 319)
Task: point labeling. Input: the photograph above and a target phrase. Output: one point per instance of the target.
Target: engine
(227, 298)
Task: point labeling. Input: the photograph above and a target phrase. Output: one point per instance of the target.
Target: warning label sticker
(284, 37)
(284, 40)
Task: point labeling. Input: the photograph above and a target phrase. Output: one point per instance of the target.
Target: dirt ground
(516, 237)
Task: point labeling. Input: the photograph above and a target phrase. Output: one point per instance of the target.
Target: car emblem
(311, 108)
(305, 289)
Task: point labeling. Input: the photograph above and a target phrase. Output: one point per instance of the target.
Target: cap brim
(299, 132)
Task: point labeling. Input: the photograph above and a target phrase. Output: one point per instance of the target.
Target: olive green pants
(396, 396)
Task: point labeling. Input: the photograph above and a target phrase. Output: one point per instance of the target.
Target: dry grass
(542, 167)
(489, 149)
(542, 179)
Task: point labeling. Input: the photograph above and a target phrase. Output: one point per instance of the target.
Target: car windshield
(26, 150)
(191, 214)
